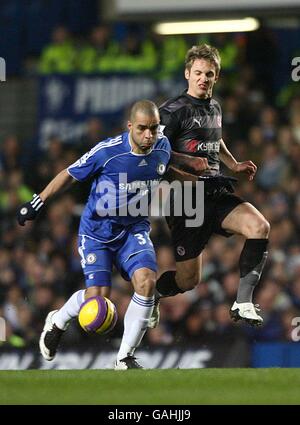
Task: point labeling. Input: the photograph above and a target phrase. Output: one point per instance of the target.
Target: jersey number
(142, 239)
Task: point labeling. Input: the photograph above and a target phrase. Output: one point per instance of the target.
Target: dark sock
(166, 285)
(252, 261)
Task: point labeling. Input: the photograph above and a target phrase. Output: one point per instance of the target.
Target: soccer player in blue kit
(141, 156)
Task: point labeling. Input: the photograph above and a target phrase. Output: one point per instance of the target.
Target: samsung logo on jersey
(139, 184)
(209, 146)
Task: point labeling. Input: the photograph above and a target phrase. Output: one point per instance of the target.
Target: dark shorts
(189, 242)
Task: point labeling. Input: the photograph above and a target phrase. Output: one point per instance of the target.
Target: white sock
(69, 310)
(135, 324)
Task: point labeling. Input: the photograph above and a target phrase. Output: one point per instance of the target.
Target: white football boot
(246, 312)
(50, 337)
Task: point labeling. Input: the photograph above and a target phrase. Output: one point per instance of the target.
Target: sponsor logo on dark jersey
(192, 145)
(196, 146)
(209, 146)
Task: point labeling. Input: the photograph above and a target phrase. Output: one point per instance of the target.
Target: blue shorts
(129, 253)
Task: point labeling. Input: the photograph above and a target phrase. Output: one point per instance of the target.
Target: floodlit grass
(152, 387)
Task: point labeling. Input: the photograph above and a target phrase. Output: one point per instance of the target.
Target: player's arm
(60, 182)
(30, 210)
(175, 174)
(188, 164)
(88, 165)
(247, 167)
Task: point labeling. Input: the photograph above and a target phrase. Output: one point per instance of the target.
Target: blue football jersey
(123, 183)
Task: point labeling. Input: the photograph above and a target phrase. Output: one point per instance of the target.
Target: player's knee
(265, 228)
(258, 227)
(94, 291)
(146, 286)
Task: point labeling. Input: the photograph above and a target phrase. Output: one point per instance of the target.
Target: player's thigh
(136, 252)
(189, 272)
(96, 263)
(246, 220)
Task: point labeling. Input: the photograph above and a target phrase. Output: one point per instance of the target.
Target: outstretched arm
(247, 167)
(30, 209)
(60, 182)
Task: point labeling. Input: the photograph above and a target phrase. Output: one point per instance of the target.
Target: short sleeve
(165, 145)
(88, 165)
(170, 124)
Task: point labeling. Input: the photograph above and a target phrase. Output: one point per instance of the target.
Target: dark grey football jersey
(194, 127)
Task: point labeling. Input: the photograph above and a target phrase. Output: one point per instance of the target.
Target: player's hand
(29, 210)
(198, 165)
(247, 167)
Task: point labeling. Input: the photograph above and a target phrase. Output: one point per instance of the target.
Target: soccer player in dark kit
(193, 124)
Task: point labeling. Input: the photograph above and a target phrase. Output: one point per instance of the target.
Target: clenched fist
(29, 210)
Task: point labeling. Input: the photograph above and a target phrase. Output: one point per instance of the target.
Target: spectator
(60, 55)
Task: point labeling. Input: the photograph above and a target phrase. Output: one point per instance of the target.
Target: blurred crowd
(263, 57)
(39, 263)
(139, 50)
(136, 50)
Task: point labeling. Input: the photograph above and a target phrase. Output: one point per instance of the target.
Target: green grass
(153, 387)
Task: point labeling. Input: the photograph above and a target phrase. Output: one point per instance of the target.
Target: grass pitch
(151, 387)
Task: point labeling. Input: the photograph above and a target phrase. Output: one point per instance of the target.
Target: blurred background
(73, 68)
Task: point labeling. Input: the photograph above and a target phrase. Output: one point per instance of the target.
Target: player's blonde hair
(203, 51)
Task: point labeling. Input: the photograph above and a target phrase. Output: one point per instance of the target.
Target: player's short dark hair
(145, 106)
(203, 51)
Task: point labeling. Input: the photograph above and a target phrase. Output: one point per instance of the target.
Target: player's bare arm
(176, 174)
(60, 182)
(247, 167)
(188, 164)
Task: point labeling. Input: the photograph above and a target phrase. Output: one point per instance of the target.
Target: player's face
(143, 132)
(201, 78)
